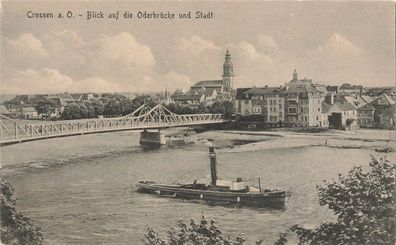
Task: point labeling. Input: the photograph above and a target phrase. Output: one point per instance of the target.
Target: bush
(202, 233)
(15, 227)
(364, 206)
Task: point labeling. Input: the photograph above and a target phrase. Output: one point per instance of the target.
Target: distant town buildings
(208, 91)
(303, 103)
(297, 103)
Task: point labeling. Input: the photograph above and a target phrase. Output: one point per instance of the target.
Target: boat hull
(259, 199)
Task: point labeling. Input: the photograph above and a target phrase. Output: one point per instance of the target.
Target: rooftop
(208, 83)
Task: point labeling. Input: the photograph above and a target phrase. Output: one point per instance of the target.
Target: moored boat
(217, 191)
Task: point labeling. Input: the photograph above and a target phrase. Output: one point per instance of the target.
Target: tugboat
(218, 191)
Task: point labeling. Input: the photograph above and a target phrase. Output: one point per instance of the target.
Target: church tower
(295, 75)
(228, 73)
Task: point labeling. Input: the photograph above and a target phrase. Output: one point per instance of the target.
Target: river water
(80, 190)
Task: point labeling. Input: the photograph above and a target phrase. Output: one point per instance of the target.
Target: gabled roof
(344, 106)
(383, 100)
(59, 101)
(366, 107)
(262, 91)
(28, 109)
(368, 99)
(4, 110)
(208, 83)
(184, 97)
(325, 107)
(240, 93)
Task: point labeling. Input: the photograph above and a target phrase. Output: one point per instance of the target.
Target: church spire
(228, 68)
(228, 73)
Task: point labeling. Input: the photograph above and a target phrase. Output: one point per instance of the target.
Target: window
(317, 118)
(274, 102)
(302, 110)
(270, 109)
(280, 106)
(270, 118)
(306, 119)
(274, 109)
(292, 110)
(318, 109)
(275, 118)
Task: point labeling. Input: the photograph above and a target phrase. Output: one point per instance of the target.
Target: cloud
(196, 46)
(266, 43)
(49, 80)
(174, 80)
(95, 85)
(195, 56)
(121, 58)
(25, 49)
(337, 46)
(46, 80)
(336, 58)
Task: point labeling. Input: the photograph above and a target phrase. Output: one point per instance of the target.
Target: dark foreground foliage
(201, 233)
(364, 205)
(15, 228)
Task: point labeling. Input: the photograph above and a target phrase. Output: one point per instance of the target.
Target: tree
(364, 206)
(45, 106)
(98, 106)
(15, 227)
(75, 111)
(222, 107)
(202, 233)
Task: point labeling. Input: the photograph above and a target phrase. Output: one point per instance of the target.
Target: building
(299, 82)
(223, 87)
(303, 106)
(187, 99)
(347, 88)
(384, 114)
(268, 102)
(299, 104)
(365, 116)
(28, 113)
(4, 111)
(342, 115)
(242, 103)
(325, 114)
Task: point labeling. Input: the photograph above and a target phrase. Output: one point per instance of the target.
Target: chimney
(213, 171)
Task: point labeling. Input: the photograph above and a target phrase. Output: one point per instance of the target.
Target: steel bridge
(158, 117)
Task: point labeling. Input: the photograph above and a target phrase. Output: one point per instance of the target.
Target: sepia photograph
(197, 122)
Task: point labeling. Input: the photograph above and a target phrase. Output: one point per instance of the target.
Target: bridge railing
(13, 130)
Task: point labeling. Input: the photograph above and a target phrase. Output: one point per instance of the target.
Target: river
(80, 189)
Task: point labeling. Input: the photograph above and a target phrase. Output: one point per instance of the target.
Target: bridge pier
(149, 139)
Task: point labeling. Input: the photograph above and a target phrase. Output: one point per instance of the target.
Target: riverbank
(237, 141)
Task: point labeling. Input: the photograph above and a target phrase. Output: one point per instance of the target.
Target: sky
(330, 42)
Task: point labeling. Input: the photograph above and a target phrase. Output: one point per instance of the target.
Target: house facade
(342, 115)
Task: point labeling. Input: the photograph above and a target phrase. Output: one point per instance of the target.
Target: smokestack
(213, 171)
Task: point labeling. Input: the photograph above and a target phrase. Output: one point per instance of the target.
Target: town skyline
(267, 43)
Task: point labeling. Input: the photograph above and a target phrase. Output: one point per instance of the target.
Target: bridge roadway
(12, 131)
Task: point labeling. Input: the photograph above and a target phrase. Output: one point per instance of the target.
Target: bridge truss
(13, 131)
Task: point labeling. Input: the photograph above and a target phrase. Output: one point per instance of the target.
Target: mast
(213, 171)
